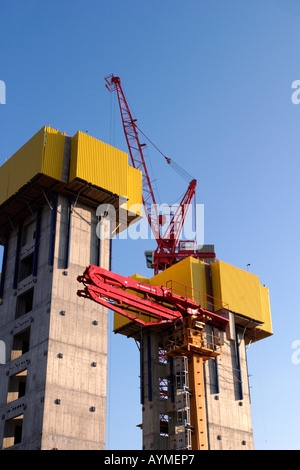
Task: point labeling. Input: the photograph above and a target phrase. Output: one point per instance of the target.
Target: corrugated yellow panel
(4, 181)
(180, 272)
(188, 278)
(239, 288)
(54, 153)
(141, 279)
(199, 281)
(26, 162)
(266, 310)
(99, 163)
(74, 157)
(120, 320)
(134, 190)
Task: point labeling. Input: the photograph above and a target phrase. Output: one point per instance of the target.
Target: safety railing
(204, 300)
(181, 339)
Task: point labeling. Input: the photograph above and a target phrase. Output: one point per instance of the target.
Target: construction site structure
(193, 377)
(176, 409)
(53, 381)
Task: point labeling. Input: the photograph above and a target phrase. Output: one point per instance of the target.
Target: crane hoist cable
(176, 167)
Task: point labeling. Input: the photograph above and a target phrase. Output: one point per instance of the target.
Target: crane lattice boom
(167, 242)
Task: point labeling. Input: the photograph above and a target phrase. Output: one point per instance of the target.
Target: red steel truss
(136, 154)
(166, 253)
(142, 303)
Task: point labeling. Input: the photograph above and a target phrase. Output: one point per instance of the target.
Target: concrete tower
(53, 382)
(219, 398)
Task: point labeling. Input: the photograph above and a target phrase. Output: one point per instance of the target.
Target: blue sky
(210, 83)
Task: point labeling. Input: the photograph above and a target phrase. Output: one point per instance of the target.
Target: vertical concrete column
(53, 384)
(76, 379)
(153, 405)
(227, 394)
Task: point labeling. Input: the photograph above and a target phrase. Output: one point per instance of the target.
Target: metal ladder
(182, 404)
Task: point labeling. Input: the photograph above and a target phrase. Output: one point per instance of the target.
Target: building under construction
(192, 320)
(53, 385)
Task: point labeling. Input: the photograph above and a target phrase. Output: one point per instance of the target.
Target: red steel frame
(136, 300)
(153, 305)
(136, 154)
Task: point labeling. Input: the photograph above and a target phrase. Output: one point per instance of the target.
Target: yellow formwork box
(186, 278)
(120, 320)
(266, 309)
(134, 191)
(4, 181)
(42, 154)
(53, 153)
(22, 166)
(92, 161)
(98, 163)
(242, 291)
(238, 290)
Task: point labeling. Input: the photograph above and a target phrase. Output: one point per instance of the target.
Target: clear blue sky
(210, 82)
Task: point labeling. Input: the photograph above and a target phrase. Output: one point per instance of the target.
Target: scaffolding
(180, 416)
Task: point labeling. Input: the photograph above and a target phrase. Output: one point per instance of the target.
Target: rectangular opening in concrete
(28, 234)
(26, 265)
(164, 425)
(12, 431)
(24, 303)
(17, 386)
(20, 344)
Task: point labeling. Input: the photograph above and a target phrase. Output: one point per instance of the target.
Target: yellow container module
(245, 296)
(266, 309)
(92, 161)
(42, 154)
(186, 278)
(4, 181)
(96, 169)
(119, 320)
(134, 191)
(53, 153)
(215, 285)
(98, 163)
(22, 166)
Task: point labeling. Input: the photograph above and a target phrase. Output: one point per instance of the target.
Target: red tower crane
(180, 312)
(167, 252)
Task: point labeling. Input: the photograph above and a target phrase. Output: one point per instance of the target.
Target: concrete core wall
(227, 396)
(228, 412)
(53, 385)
